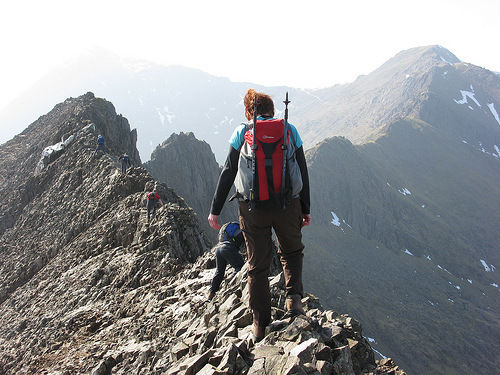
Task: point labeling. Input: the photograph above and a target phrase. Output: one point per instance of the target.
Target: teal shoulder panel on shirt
(238, 136)
(296, 136)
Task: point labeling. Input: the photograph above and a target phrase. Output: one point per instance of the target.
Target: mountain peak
(419, 59)
(436, 52)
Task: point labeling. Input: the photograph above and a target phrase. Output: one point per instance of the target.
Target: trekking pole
(284, 147)
(251, 207)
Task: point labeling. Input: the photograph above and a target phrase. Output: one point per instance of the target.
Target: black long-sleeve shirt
(228, 174)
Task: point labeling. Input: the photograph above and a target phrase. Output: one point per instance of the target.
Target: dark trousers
(225, 253)
(256, 226)
(151, 206)
(100, 147)
(124, 167)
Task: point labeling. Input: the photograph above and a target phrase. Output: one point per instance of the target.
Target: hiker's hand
(212, 220)
(306, 220)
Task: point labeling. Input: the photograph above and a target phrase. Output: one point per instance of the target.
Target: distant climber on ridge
(153, 202)
(100, 145)
(227, 251)
(125, 162)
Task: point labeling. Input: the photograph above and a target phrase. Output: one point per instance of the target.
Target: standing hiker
(125, 161)
(265, 203)
(153, 201)
(227, 251)
(100, 145)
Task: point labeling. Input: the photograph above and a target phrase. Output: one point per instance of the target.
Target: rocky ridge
(189, 166)
(166, 326)
(88, 286)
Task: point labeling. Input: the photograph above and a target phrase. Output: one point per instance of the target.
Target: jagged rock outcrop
(188, 166)
(80, 119)
(111, 323)
(88, 286)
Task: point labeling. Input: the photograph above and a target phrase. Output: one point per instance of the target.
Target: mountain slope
(400, 252)
(87, 285)
(412, 212)
(361, 110)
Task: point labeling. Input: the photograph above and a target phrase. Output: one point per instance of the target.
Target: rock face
(189, 166)
(87, 286)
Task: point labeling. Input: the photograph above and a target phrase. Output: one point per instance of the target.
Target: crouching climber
(153, 202)
(227, 251)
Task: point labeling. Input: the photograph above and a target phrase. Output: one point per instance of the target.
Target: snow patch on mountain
(491, 106)
(408, 252)
(160, 115)
(164, 114)
(485, 265)
(170, 115)
(346, 223)
(335, 221)
(311, 94)
(380, 354)
(405, 191)
(465, 95)
(446, 61)
(226, 121)
(49, 153)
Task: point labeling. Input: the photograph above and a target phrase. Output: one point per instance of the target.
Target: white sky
(305, 44)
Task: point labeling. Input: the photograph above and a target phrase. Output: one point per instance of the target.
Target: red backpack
(152, 196)
(269, 157)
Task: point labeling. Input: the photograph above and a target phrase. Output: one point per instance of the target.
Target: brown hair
(265, 105)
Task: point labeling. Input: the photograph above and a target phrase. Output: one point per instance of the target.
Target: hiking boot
(294, 305)
(258, 333)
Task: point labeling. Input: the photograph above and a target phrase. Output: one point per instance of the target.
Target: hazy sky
(295, 43)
